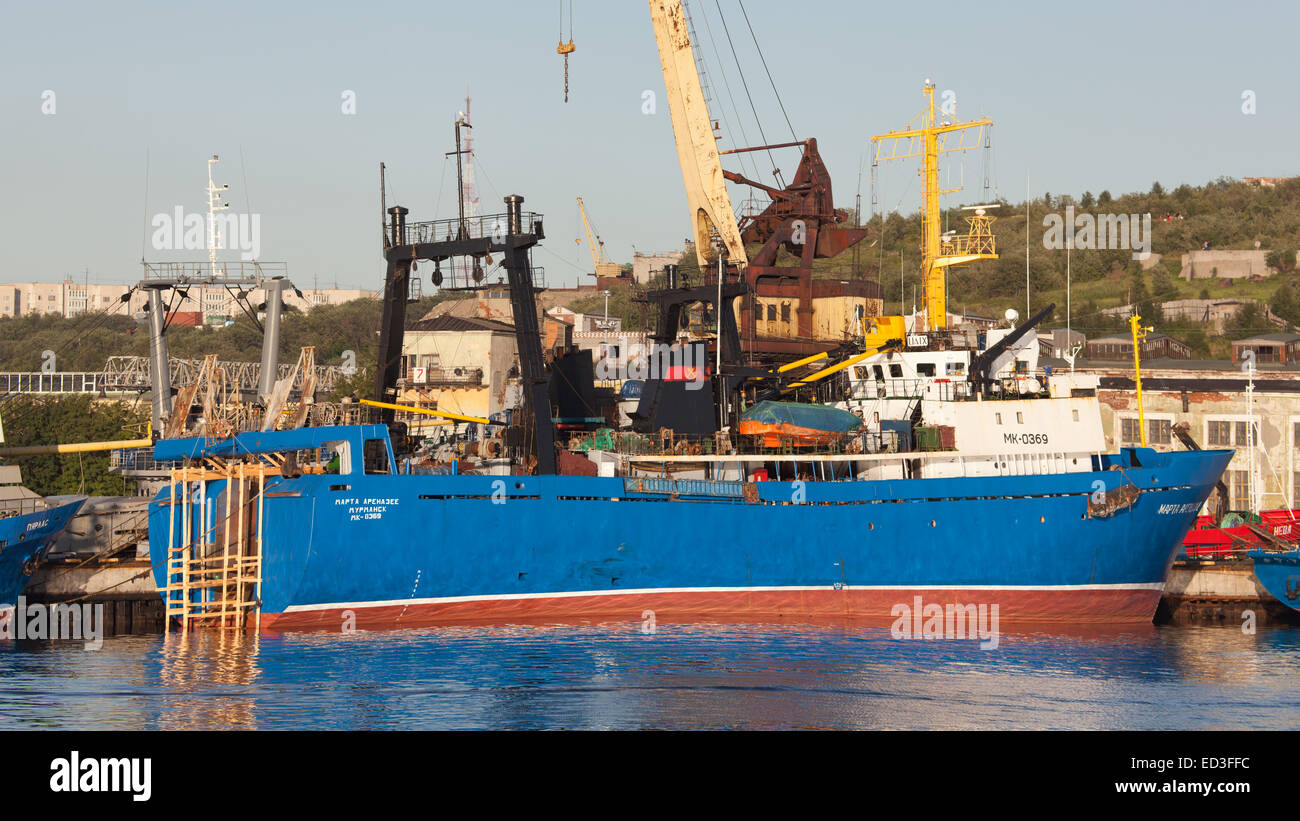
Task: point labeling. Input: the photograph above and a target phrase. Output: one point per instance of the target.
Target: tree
(1104, 198)
(1140, 297)
(52, 420)
(1162, 284)
(1249, 320)
(1285, 304)
(1087, 201)
(1157, 190)
(1282, 260)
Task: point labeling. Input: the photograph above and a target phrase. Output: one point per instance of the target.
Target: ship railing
(667, 443)
(137, 460)
(54, 382)
(483, 226)
(17, 507)
(235, 271)
(946, 389)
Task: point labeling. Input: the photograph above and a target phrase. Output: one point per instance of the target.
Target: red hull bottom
(1091, 606)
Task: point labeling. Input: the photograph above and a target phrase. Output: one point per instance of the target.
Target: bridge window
(896, 370)
(925, 368)
(338, 458)
(376, 456)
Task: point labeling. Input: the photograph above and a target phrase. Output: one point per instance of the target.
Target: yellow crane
(926, 137)
(599, 262)
(697, 147)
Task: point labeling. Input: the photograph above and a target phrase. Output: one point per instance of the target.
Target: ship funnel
(514, 213)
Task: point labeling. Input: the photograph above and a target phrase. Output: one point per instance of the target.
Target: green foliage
(1282, 259)
(49, 420)
(83, 343)
(360, 385)
(633, 314)
(1226, 213)
(1285, 304)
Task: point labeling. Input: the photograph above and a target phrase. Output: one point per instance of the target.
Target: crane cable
(770, 81)
(776, 172)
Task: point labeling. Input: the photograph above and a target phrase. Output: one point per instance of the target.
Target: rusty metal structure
(802, 220)
(785, 311)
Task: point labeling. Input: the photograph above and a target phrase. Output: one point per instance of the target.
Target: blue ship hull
(1279, 573)
(403, 550)
(22, 539)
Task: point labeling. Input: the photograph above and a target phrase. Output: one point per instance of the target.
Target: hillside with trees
(1224, 214)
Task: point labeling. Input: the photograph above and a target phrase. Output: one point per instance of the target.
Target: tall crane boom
(600, 263)
(697, 149)
(594, 242)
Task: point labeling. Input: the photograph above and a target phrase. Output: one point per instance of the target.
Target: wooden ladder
(214, 573)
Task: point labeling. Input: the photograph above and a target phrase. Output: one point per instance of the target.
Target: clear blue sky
(1104, 95)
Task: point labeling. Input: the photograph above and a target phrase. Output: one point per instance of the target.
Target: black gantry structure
(510, 234)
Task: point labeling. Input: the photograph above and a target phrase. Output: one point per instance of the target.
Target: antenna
(215, 239)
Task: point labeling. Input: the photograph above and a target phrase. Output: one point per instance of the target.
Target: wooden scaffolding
(214, 564)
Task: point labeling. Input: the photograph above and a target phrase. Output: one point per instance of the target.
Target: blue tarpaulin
(802, 415)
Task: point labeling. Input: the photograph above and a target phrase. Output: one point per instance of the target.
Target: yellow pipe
(444, 414)
(78, 447)
(805, 361)
(825, 372)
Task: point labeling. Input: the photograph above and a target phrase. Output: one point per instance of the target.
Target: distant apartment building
(1212, 399)
(214, 303)
(646, 267)
(1265, 182)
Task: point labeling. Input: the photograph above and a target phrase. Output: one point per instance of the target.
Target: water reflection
(772, 676)
(209, 680)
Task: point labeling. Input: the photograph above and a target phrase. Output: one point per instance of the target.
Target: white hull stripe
(303, 608)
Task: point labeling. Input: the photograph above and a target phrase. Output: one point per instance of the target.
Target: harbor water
(700, 676)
